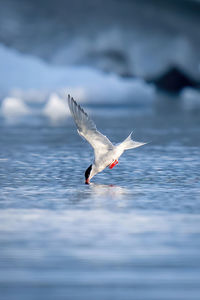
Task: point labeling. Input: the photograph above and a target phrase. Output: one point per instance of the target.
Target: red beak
(87, 181)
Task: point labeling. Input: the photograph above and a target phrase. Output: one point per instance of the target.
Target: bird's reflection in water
(99, 195)
(106, 192)
(106, 188)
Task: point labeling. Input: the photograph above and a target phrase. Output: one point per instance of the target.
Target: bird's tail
(128, 143)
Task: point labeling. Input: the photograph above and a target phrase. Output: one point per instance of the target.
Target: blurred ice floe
(30, 95)
(30, 86)
(32, 79)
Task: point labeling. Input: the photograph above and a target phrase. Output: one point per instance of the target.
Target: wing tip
(72, 104)
(71, 100)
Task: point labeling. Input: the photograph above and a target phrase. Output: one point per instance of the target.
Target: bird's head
(89, 173)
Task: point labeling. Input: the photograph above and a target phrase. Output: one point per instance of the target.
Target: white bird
(105, 153)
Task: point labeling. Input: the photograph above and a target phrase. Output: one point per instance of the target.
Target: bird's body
(105, 153)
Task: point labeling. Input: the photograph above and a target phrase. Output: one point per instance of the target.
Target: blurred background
(113, 51)
(134, 233)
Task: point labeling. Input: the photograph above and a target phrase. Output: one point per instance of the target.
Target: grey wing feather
(87, 129)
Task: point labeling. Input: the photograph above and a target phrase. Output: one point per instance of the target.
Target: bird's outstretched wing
(87, 129)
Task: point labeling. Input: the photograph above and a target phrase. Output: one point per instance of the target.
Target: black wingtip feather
(75, 103)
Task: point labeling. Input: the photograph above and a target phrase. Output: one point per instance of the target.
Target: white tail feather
(128, 143)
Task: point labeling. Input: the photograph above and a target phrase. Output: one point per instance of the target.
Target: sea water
(133, 233)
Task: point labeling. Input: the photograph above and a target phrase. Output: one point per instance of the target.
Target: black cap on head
(87, 172)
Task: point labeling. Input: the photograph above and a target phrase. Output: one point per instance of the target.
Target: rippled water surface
(134, 233)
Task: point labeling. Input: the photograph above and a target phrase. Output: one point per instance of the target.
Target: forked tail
(128, 143)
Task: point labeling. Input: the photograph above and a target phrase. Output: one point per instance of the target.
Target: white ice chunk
(14, 107)
(56, 108)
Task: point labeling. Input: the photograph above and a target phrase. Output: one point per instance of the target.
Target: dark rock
(174, 80)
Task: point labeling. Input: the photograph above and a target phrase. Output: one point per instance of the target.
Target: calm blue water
(134, 233)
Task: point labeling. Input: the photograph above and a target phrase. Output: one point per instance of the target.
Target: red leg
(114, 163)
